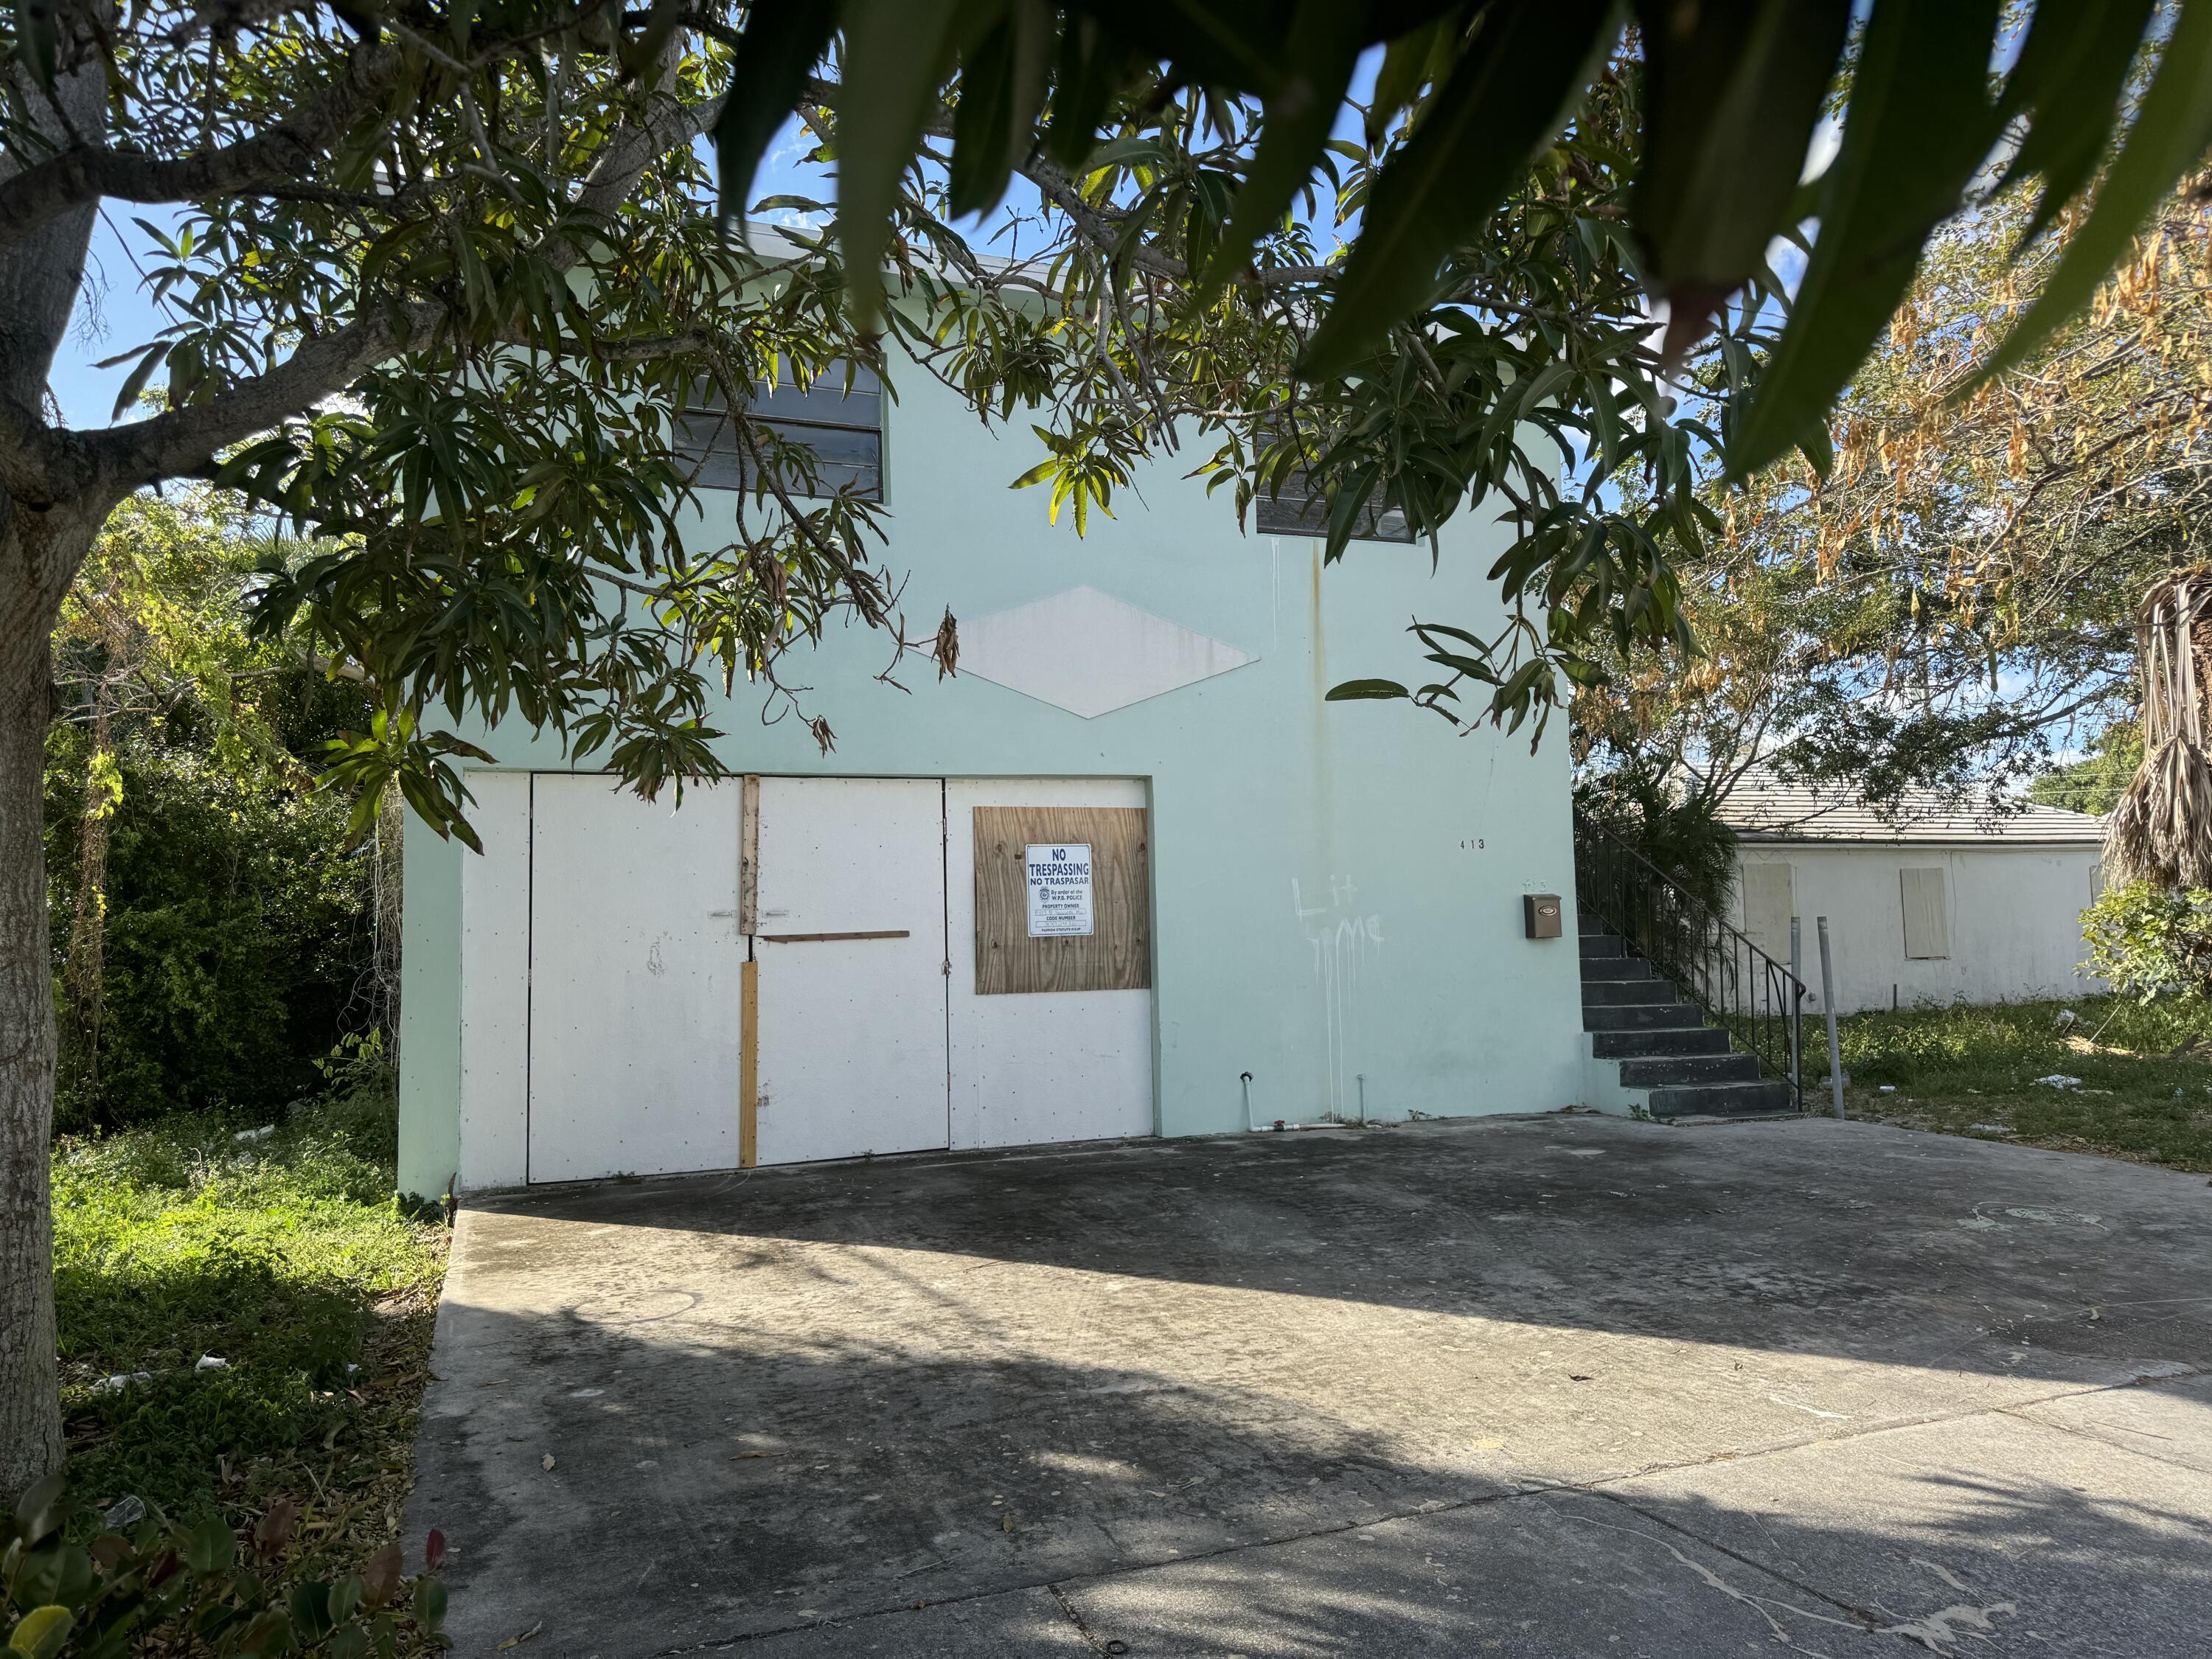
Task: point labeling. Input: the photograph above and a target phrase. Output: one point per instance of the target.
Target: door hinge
(948, 966)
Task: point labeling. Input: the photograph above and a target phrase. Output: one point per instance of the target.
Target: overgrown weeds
(244, 1318)
(2141, 1074)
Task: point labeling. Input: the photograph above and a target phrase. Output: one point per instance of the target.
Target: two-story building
(1126, 874)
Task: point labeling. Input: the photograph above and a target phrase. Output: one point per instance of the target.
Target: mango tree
(438, 279)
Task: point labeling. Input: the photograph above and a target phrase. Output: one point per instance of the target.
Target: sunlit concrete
(1555, 1385)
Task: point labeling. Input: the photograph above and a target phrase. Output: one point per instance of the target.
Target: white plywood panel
(635, 963)
(852, 1030)
(1769, 899)
(1062, 1065)
(1926, 914)
(495, 985)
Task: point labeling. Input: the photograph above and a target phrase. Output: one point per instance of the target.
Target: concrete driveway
(1566, 1385)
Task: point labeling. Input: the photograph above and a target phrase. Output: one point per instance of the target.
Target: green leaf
(151, 359)
(346, 1595)
(1319, 55)
(210, 1547)
(1509, 94)
(1409, 61)
(310, 1607)
(1735, 89)
(2072, 70)
(1129, 148)
(1920, 123)
(39, 1633)
(1366, 691)
(1233, 44)
(783, 41)
(40, 1510)
(896, 53)
(1002, 87)
(34, 38)
(429, 1603)
(2170, 137)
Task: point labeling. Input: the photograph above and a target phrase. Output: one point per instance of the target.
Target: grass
(282, 1252)
(2146, 1074)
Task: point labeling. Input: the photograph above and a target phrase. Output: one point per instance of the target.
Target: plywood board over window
(1927, 916)
(1769, 899)
(1116, 955)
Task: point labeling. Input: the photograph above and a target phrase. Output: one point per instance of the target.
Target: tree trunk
(47, 523)
(30, 1401)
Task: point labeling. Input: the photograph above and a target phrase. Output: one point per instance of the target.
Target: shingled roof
(1766, 810)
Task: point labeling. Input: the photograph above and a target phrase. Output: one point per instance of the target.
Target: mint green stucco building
(1325, 916)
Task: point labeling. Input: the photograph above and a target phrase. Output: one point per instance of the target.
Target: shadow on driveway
(1563, 1385)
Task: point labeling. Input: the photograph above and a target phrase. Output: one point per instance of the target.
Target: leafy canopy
(1959, 594)
(491, 228)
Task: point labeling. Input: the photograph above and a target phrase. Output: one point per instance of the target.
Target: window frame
(719, 462)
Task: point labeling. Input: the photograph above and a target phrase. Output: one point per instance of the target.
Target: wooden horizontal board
(1116, 955)
(820, 939)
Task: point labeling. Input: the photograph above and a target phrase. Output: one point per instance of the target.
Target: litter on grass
(2059, 1080)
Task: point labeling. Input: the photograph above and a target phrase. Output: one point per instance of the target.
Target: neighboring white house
(1939, 906)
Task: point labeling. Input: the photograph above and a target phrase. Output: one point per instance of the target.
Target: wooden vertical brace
(749, 974)
(748, 1065)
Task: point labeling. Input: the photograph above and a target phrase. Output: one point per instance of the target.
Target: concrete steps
(1662, 1042)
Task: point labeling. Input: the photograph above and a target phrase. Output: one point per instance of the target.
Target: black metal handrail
(1759, 1001)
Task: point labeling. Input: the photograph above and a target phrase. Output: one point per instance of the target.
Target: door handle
(822, 939)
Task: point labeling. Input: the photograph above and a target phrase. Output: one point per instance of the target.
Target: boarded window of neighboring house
(842, 425)
(1301, 509)
(1927, 917)
(1769, 899)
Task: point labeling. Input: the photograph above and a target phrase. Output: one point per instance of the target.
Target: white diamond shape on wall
(1090, 653)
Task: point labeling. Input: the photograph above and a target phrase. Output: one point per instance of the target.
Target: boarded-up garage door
(634, 963)
(1045, 1062)
(851, 961)
(616, 953)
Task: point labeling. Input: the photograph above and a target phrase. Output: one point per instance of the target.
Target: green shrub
(237, 930)
(211, 931)
(147, 1583)
(2148, 941)
(1678, 834)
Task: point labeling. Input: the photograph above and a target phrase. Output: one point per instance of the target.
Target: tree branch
(280, 156)
(184, 440)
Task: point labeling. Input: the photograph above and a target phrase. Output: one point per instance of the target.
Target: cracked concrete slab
(2164, 1420)
(1985, 1526)
(1282, 1371)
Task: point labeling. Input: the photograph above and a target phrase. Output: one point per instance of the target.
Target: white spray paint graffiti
(1346, 945)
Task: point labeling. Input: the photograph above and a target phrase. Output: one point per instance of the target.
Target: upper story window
(843, 424)
(1301, 510)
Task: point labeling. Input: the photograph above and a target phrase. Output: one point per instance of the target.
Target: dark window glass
(843, 427)
(1300, 511)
